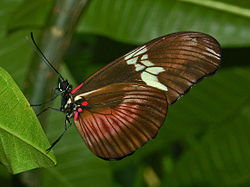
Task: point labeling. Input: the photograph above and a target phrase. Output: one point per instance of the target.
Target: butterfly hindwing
(120, 118)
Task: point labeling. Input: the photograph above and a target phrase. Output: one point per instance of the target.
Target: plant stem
(54, 41)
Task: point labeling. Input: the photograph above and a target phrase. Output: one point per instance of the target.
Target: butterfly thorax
(70, 106)
(64, 89)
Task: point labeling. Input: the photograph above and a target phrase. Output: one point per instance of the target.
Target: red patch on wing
(76, 116)
(77, 88)
(85, 103)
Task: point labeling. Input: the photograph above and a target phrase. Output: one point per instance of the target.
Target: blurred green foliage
(205, 139)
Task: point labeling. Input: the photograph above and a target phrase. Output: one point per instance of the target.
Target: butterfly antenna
(40, 54)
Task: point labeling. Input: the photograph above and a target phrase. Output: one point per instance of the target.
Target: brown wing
(121, 118)
(172, 63)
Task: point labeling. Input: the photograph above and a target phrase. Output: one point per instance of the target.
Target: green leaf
(237, 8)
(21, 18)
(6, 8)
(22, 140)
(222, 157)
(15, 54)
(212, 123)
(142, 20)
(77, 166)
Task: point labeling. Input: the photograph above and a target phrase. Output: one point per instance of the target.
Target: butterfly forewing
(121, 118)
(172, 63)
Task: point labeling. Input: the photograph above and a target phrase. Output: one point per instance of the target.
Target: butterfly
(122, 106)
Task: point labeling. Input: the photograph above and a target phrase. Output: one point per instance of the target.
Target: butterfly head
(64, 86)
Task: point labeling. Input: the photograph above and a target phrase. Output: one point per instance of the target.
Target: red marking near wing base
(76, 116)
(85, 103)
(77, 113)
(77, 88)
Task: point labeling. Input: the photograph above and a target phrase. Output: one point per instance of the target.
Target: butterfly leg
(67, 126)
(55, 91)
(67, 121)
(50, 100)
(44, 110)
